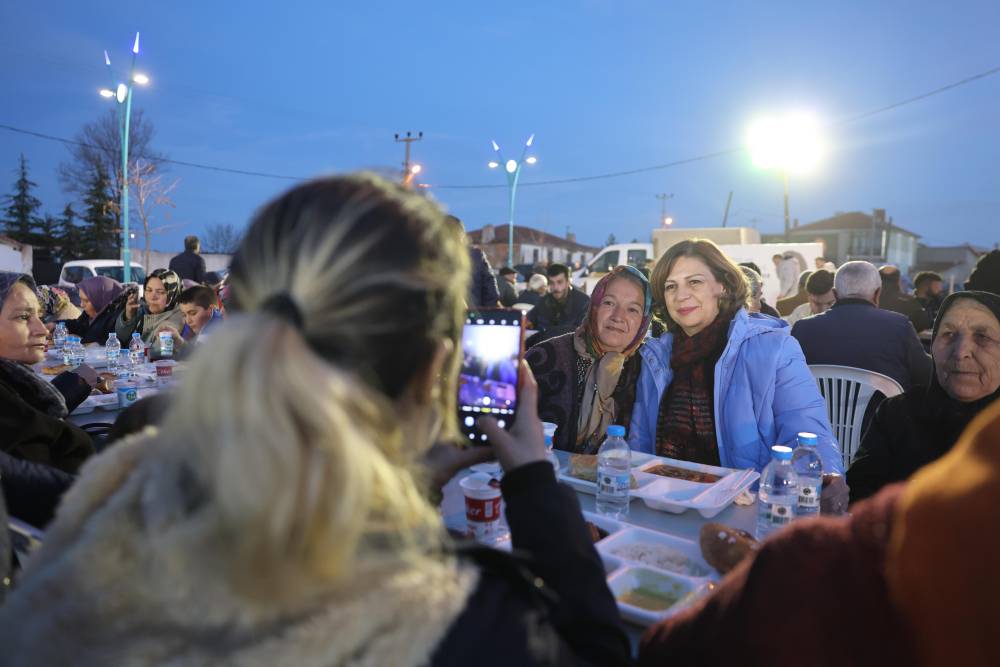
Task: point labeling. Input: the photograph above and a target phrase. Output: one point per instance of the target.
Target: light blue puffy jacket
(764, 395)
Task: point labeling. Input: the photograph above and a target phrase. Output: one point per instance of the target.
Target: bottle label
(809, 495)
(779, 514)
(611, 484)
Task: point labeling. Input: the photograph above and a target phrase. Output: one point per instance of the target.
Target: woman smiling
(587, 379)
(722, 386)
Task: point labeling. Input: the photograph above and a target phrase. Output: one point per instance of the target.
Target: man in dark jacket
(508, 295)
(562, 309)
(189, 265)
(892, 298)
(483, 291)
(855, 332)
(928, 290)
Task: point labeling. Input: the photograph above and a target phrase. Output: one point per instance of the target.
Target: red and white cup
(164, 371)
(482, 506)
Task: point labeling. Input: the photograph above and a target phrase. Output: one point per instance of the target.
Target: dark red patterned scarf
(685, 428)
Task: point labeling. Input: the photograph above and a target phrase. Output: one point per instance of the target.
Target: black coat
(906, 305)
(189, 266)
(98, 330)
(909, 431)
(545, 604)
(32, 490)
(483, 285)
(856, 333)
(508, 295)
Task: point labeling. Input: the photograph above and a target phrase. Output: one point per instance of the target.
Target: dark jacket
(560, 317)
(558, 372)
(856, 333)
(908, 432)
(189, 266)
(508, 295)
(483, 286)
(513, 618)
(28, 433)
(32, 490)
(530, 297)
(799, 587)
(906, 305)
(95, 331)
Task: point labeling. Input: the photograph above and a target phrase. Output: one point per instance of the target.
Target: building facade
(531, 246)
(859, 236)
(953, 263)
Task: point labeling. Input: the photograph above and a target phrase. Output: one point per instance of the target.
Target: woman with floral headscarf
(159, 307)
(587, 379)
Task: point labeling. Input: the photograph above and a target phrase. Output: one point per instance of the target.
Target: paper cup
(164, 371)
(166, 344)
(482, 506)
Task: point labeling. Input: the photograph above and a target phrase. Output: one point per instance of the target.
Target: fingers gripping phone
(492, 349)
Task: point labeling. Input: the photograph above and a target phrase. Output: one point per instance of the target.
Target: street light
(512, 168)
(789, 143)
(122, 94)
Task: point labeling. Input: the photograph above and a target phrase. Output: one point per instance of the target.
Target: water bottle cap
(136, 334)
(616, 431)
(781, 453)
(808, 439)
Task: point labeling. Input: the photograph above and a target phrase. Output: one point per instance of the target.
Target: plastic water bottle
(808, 467)
(112, 350)
(614, 472)
(549, 429)
(59, 336)
(779, 492)
(73, 352)
(136, 352)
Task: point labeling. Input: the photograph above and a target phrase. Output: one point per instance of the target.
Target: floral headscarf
(597, 411)
(171, 282)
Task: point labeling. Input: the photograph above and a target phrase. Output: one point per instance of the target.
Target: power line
(577, 179)
(182, 163)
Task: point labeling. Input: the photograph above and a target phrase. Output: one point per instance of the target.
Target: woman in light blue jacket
(722, 386)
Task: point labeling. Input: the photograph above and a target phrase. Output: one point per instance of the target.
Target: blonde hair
(284, 433)
(736, 292)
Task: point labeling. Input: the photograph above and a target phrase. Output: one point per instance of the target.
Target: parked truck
(741, 244)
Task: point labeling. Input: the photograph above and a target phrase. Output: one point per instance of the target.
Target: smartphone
(492, 349)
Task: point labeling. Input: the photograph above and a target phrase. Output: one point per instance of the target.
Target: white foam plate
(676, 495)
(641, 458)
(584, 486)
(685, 548)
(632, 576)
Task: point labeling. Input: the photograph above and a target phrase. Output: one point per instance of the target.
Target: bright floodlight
(531, 160)
(511, 166)
(107, 93)
(667, 222)
(135, 47)
(530, 140)
(495, 146)
(492, 164)
(140, 78)
(415, 169)
(792, 142)
(121, 93)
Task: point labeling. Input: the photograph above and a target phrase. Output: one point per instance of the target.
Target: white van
(81, 269)
(633, 254)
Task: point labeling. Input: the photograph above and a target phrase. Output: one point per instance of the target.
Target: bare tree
(99, 146)
(149, 192)
(222, 238)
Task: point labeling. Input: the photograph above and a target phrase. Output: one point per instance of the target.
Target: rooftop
(527, 236)
(851, 220)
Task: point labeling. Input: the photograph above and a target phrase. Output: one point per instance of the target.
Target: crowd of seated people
(285, 489)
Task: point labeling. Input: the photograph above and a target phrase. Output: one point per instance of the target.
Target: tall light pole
(512, 168)
(409, 170)
(664, 219)
(121, 92)
(788, 143)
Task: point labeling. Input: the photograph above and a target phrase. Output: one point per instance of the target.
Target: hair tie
(282, 305)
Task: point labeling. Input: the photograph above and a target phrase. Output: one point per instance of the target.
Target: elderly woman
(723, 386)
(538, 286)
(587, 379)
(100, 300)
(161, 291)
(39, 447)
(279, 514)
(921, 425)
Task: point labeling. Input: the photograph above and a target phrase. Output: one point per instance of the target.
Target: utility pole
(409, 171)
(664, 220)
(725, 216)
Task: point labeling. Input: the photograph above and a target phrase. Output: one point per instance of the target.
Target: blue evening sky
(304, 88)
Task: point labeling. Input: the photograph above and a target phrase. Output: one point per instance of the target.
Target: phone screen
(492, 347)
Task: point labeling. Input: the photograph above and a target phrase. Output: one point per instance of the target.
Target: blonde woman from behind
(280, 515)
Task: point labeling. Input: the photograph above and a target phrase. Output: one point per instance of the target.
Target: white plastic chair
(847, 392)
